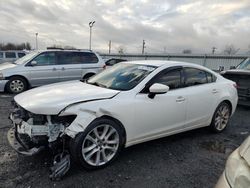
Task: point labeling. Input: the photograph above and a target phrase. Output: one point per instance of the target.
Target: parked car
(237, 170)
(127, 104)
(241, 75)
(11, 55)
(113, 61)
(46, 67)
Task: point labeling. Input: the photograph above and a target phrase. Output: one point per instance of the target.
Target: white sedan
(130, 103)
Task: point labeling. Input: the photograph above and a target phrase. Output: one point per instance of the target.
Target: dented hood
(51, 99)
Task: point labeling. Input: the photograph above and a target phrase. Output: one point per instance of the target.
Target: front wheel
(221, 117)
(16, 85)
(98, 145)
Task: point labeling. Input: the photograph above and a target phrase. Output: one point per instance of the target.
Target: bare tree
(12, 46)
(55, 46)
(230, 50)
(121, 49)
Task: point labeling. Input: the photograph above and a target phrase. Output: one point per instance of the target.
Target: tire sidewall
(25, 85)
(76, 143)
(212, 126)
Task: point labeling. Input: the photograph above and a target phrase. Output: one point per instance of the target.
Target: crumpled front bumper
(17, 143)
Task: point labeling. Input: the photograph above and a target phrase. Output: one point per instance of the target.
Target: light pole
(36, 42)
(143, 46)
(91, 24)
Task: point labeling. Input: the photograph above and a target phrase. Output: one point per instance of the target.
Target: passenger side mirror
(33, 63)
(156, 89)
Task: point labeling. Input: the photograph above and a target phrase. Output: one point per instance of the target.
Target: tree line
(13, 46)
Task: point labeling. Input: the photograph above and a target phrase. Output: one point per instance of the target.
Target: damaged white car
(130, 103)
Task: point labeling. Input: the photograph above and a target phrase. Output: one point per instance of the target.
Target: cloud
(169, 26)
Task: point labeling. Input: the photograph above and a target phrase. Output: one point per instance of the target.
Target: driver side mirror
(156, 89)
(33, 63)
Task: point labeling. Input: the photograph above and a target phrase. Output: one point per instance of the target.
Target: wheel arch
(229, 103)
(17, 75)
(120, 125)
(89, 74)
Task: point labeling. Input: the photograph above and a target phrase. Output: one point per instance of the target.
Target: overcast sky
(169, 26)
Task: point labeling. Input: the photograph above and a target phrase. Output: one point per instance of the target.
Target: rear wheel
(221, 117)
(98, 145)
(16, 85)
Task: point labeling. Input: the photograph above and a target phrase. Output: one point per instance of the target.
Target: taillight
(235, 85)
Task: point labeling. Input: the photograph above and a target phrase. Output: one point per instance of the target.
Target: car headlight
(1, 76)
(231, 170)
(244, 150)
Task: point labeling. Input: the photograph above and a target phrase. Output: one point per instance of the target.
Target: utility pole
(36, 42)
(143, 46)
(109, 46)
(91, 24)
(213, 50)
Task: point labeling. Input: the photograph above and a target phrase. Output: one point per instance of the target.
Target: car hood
(7, 65)
(51, 99)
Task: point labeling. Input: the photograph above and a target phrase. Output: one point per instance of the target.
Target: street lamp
(91, 24)
(36, 42)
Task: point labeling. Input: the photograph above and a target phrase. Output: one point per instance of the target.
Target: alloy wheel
(100, 145)
(222, 117)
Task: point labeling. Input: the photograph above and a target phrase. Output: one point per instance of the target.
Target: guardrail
(211, 61)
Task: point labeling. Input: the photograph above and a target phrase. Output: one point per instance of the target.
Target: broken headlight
(65, 120)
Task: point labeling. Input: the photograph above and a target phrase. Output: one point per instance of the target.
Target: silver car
(46, 67)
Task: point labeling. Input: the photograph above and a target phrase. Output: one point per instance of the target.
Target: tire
(16, 85)
(87, 76)
(221, 117)
(89, 152)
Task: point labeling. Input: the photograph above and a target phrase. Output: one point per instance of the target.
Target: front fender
(84, 117)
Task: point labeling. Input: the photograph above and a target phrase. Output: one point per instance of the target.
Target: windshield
(26, 58)
(244, 65)
(122, 76)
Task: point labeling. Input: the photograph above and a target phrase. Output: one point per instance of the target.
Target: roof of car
(159, 63)
(65, 50)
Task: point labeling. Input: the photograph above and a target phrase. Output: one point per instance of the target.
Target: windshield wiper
(96, 84)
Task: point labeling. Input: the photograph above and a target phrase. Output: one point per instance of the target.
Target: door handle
(54, 69)
(215, 91)
(63, 68)
(180, 99)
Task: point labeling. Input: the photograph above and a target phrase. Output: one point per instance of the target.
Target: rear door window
(195, 76)
(1, 55)
(210, 77)
(76, 58)
(10, 55)
(88, 58)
